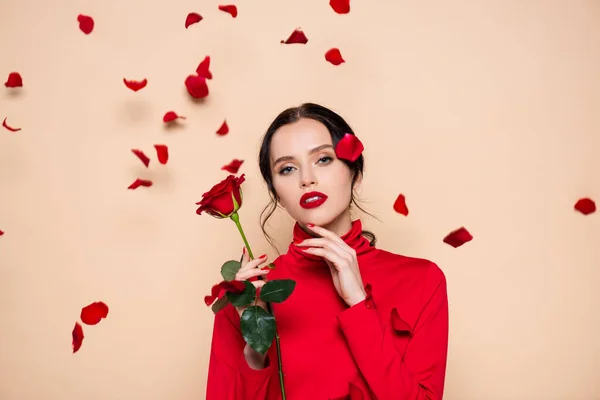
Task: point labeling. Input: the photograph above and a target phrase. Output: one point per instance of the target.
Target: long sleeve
(419, 373)
(229, 375)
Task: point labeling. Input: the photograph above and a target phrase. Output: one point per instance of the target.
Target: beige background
(483, 113)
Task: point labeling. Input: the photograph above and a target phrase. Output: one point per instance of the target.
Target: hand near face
(342, 262)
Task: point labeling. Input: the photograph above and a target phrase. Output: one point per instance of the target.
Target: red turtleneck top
(391, 346)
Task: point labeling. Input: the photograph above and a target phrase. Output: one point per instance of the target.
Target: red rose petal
(231, 9)
(14, 80)
(143, 157)
(93, 313)
(400, 205)
(77, 337)
(585, 206)
(162, 152)
(349, 148)
(215, 291)
(398, 324)
(334, 56)
(224, 129)
(340, 6)
(458, 237)
(297, 36)
(209, 300)
(135, 85)
(86, 23)
(233, 166)
(233, 286)
(10, 128)
(1, 232)
(140, 182)
(192, 18)
(204, 68)
(171, 116)
(196, 86)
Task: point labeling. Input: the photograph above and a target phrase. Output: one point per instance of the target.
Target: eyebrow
(315, 150)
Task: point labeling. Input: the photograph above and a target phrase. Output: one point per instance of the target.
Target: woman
(362, 323)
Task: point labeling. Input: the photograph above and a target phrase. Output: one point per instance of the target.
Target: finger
(250, 273)
(250, 264)
(335, 258)
(245, 257)
(325, 233)
(325, 243)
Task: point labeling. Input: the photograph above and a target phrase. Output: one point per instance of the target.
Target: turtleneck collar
(353, 238)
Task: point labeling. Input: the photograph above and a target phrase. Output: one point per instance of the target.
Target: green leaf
(277, 291)
(258, 328)
(220, 304)
(229, 269)
(244, 298)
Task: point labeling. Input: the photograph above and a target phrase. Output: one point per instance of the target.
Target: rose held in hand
(250, 299)
(223, 199)
(250, 269)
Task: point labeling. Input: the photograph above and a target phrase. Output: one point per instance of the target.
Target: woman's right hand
(250, 269)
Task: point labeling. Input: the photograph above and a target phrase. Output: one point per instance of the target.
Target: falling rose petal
(140, 182)
(86, 23)
(224, 129)
(10, 128)
(340, 6)
(297, 36)
(196, 86)
(400, 205)
(349, 148)
(14, 80)
(77, 337)
(231, 9)
(143, 157)
(162, 152)
(585, 206)
(458, 237)
(204, 68)
(171, 116)
(233, 166)
(334, 56)
(135, 85)
(192, 18)
(93, 313)
(1, 232)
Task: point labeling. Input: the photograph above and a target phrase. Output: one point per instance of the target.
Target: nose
(307, 180)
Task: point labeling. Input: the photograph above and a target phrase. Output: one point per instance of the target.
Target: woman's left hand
(342, 262)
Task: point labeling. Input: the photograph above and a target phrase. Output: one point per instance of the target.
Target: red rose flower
(224, 199)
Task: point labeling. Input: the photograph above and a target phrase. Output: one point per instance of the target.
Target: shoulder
(404, 276)
(416, 268)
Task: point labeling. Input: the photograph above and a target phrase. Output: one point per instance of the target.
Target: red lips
(314, 203)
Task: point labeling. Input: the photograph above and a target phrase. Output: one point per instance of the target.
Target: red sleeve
(229, 375)
(419, 374)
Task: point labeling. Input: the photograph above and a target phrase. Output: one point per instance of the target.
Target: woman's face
(303, 160)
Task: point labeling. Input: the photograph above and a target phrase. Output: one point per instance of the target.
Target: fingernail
(263, 256)
(244, 250)
(298, 241)
(310, 225)
(265, 269)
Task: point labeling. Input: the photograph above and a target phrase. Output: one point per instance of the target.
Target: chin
(319, 216)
